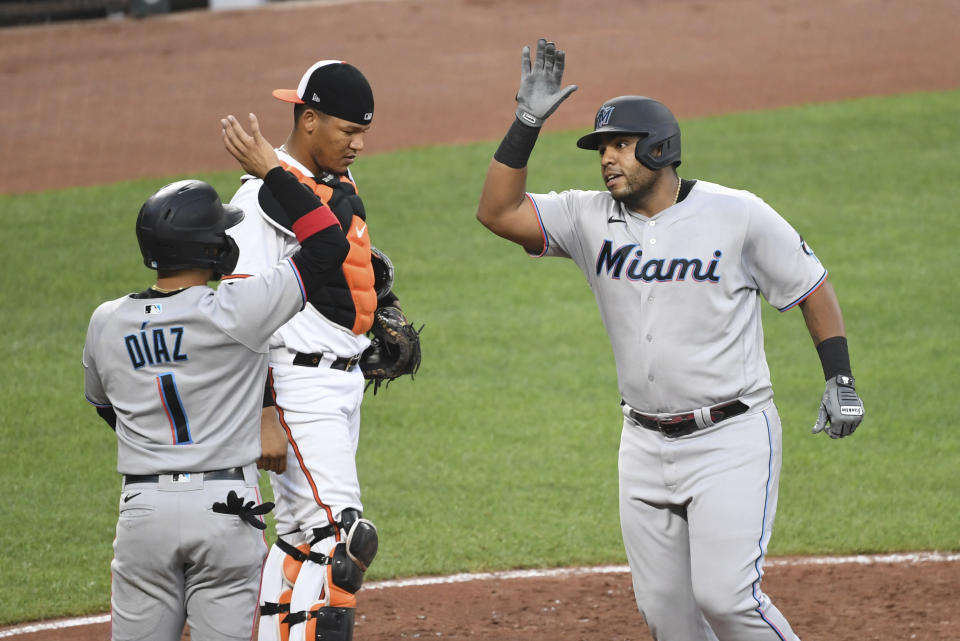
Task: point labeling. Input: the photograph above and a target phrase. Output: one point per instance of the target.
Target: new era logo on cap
(333, 87)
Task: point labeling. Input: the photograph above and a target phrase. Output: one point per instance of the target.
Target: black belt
(229, 474)
(684, 424)
(313, 360)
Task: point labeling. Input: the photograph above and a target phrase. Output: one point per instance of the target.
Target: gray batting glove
(841, 410)
(540, 93)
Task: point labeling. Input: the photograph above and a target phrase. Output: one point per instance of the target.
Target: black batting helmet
(183, 225)
(639, 115)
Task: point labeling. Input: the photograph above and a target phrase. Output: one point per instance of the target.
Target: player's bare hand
(273, 442)
(254, 153)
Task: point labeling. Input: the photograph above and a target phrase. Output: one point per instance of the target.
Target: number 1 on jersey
(179, 425)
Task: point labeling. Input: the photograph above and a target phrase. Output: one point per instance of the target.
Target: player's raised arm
(323, 245)
(504, 208)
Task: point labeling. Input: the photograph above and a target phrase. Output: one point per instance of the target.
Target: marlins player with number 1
(178, 371)
(678, 268)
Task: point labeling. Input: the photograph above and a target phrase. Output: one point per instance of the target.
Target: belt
(314, 360)
(229, 474)
(685, 424)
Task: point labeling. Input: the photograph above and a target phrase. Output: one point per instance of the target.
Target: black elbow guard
(321, 255)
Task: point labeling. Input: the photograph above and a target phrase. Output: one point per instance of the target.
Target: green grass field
(502, 453)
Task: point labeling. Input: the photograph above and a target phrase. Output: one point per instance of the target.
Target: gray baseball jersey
(678, 292)
(185, 373)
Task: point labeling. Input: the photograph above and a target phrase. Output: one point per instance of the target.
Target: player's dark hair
(297, 112)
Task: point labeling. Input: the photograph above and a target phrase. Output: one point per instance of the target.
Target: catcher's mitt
(394, 350)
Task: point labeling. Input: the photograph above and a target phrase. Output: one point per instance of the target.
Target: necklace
(676, 198)
(157, 288)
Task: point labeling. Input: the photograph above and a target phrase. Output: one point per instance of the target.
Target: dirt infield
(92, 103)
(872, 600)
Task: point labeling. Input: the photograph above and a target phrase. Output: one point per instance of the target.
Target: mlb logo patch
(152, 308)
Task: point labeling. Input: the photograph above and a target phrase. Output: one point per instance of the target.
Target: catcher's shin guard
(324, 596)
(276, 589)
(329, 624)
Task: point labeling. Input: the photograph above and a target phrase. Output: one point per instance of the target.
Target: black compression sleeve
(834, 357)
(515, 148)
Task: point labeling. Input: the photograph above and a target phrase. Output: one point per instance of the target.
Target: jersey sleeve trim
(543, 232)
(98, 405)
(815, 287)
(303, 290)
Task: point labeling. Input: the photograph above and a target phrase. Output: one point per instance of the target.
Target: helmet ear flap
(228, 259)
(669, 149)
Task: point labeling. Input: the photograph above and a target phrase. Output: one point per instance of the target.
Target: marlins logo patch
(152, 308)
(603, 116)
(805, 247)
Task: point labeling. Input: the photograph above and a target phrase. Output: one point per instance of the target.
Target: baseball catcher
(395, 344)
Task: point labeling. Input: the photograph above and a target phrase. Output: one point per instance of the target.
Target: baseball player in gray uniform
(178, 371)
(678, 268)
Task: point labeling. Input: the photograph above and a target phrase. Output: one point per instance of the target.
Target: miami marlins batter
(178, 371)
(678, 268)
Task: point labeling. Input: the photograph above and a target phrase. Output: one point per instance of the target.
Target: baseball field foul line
(860, 559)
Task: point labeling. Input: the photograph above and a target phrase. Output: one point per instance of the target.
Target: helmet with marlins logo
(183, 225)
(642, 116)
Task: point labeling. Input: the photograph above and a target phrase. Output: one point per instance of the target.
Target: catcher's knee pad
(331, 580)
(352, 556)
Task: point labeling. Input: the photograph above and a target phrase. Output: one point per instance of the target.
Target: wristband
(834, 357)
(515, 148)
(312, 222)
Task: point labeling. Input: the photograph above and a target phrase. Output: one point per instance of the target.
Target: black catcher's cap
(333, 87)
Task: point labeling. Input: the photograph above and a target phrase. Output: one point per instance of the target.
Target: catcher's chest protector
(357, 268)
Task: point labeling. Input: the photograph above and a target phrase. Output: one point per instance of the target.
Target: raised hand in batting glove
(841, 410)
(540, 93)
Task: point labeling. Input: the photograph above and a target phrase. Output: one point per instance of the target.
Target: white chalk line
(860, 559)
